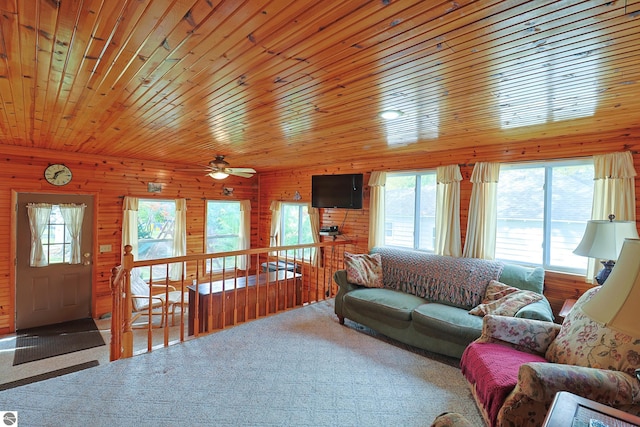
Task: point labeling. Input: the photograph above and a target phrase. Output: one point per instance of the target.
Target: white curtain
(179, 239)
(130, 225)
(377, 181)
(314, 219)
(73, 215)
(448, 211)
(38, 214)
(483, 216)
(613, 193)
(275, 223)
(245, 232)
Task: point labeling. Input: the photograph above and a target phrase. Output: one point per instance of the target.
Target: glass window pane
(155, 233)
(295, 228)
(571, 199)
(56, 239)
(542, 213)
(520, 215)
(291, 219)
(410, 210)
(223, 231)
(399, 210)
(155, 228)
(427, 212)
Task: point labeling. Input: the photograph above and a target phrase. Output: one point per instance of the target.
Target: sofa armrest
(340, 277)
(532, 336)
(539, 310)
(541, 382)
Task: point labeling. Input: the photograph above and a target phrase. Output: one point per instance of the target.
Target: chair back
(138, 287)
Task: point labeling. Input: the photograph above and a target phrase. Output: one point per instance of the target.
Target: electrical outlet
(105, 248)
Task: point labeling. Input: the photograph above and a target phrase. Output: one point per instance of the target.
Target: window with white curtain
(295, 228)
(223, 231)
(156, 222)
(410, 210)
(543, 209)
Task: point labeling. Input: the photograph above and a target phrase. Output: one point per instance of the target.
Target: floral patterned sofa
(517, 365)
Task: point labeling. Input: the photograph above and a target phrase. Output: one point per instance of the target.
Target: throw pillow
(364, 269)
(496, 290)
(504, 300)
(585, 342)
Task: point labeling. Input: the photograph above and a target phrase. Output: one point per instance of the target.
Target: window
(56, 240)
(156, 219)
(295, 229)
(542, 213)
(410, 210)
(223, 231)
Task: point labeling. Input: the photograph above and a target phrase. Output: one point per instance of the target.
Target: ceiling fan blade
(221, 166)
(206, 170)
(241, 170)
(240, 174)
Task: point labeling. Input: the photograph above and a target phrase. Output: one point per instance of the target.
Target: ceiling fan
(219, 169)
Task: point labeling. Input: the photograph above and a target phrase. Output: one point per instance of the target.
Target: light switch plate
(105, 248)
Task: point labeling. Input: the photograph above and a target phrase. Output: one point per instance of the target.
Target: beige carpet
(299, 368)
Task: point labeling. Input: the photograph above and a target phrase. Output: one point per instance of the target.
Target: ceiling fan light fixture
(391, 114)
(218, 175)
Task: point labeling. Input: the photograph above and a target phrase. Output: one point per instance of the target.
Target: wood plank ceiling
(283, 84)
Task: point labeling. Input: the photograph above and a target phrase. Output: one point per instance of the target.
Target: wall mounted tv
(337, 191)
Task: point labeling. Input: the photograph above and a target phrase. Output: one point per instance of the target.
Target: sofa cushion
(383, 303)
(492, 369)
(446, 322)
(504, 300)
(585, 342)
(364, 269)
(526, 278)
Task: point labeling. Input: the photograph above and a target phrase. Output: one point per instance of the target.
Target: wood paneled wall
(108, 180)
(558, 286)
(21, 170)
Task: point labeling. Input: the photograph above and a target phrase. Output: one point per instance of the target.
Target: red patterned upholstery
(492, 369)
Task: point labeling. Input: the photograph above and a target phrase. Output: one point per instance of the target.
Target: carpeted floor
(48, 375)
(299, 368)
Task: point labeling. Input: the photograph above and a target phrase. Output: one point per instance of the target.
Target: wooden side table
(566, 308)
(569, 409)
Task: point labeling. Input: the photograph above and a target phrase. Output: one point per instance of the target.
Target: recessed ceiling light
(391, 114)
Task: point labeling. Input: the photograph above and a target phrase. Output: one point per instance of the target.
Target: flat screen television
(337, 191)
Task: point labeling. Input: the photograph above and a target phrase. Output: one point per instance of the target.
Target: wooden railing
(275, 279)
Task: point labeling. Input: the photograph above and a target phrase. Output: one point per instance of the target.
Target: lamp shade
(604, 239)
(617, 303)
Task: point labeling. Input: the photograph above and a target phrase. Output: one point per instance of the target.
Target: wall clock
(57, 174)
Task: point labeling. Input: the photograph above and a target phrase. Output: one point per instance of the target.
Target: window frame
(547, 219)
(159, 271)
(225, 261)
(48, 243)
(306, 253)
(416, 230)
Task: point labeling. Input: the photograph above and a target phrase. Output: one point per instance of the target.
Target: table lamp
(603, 240)
(616, 303)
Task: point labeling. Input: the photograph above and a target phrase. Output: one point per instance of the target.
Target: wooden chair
(175, 300)
(140, 300)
